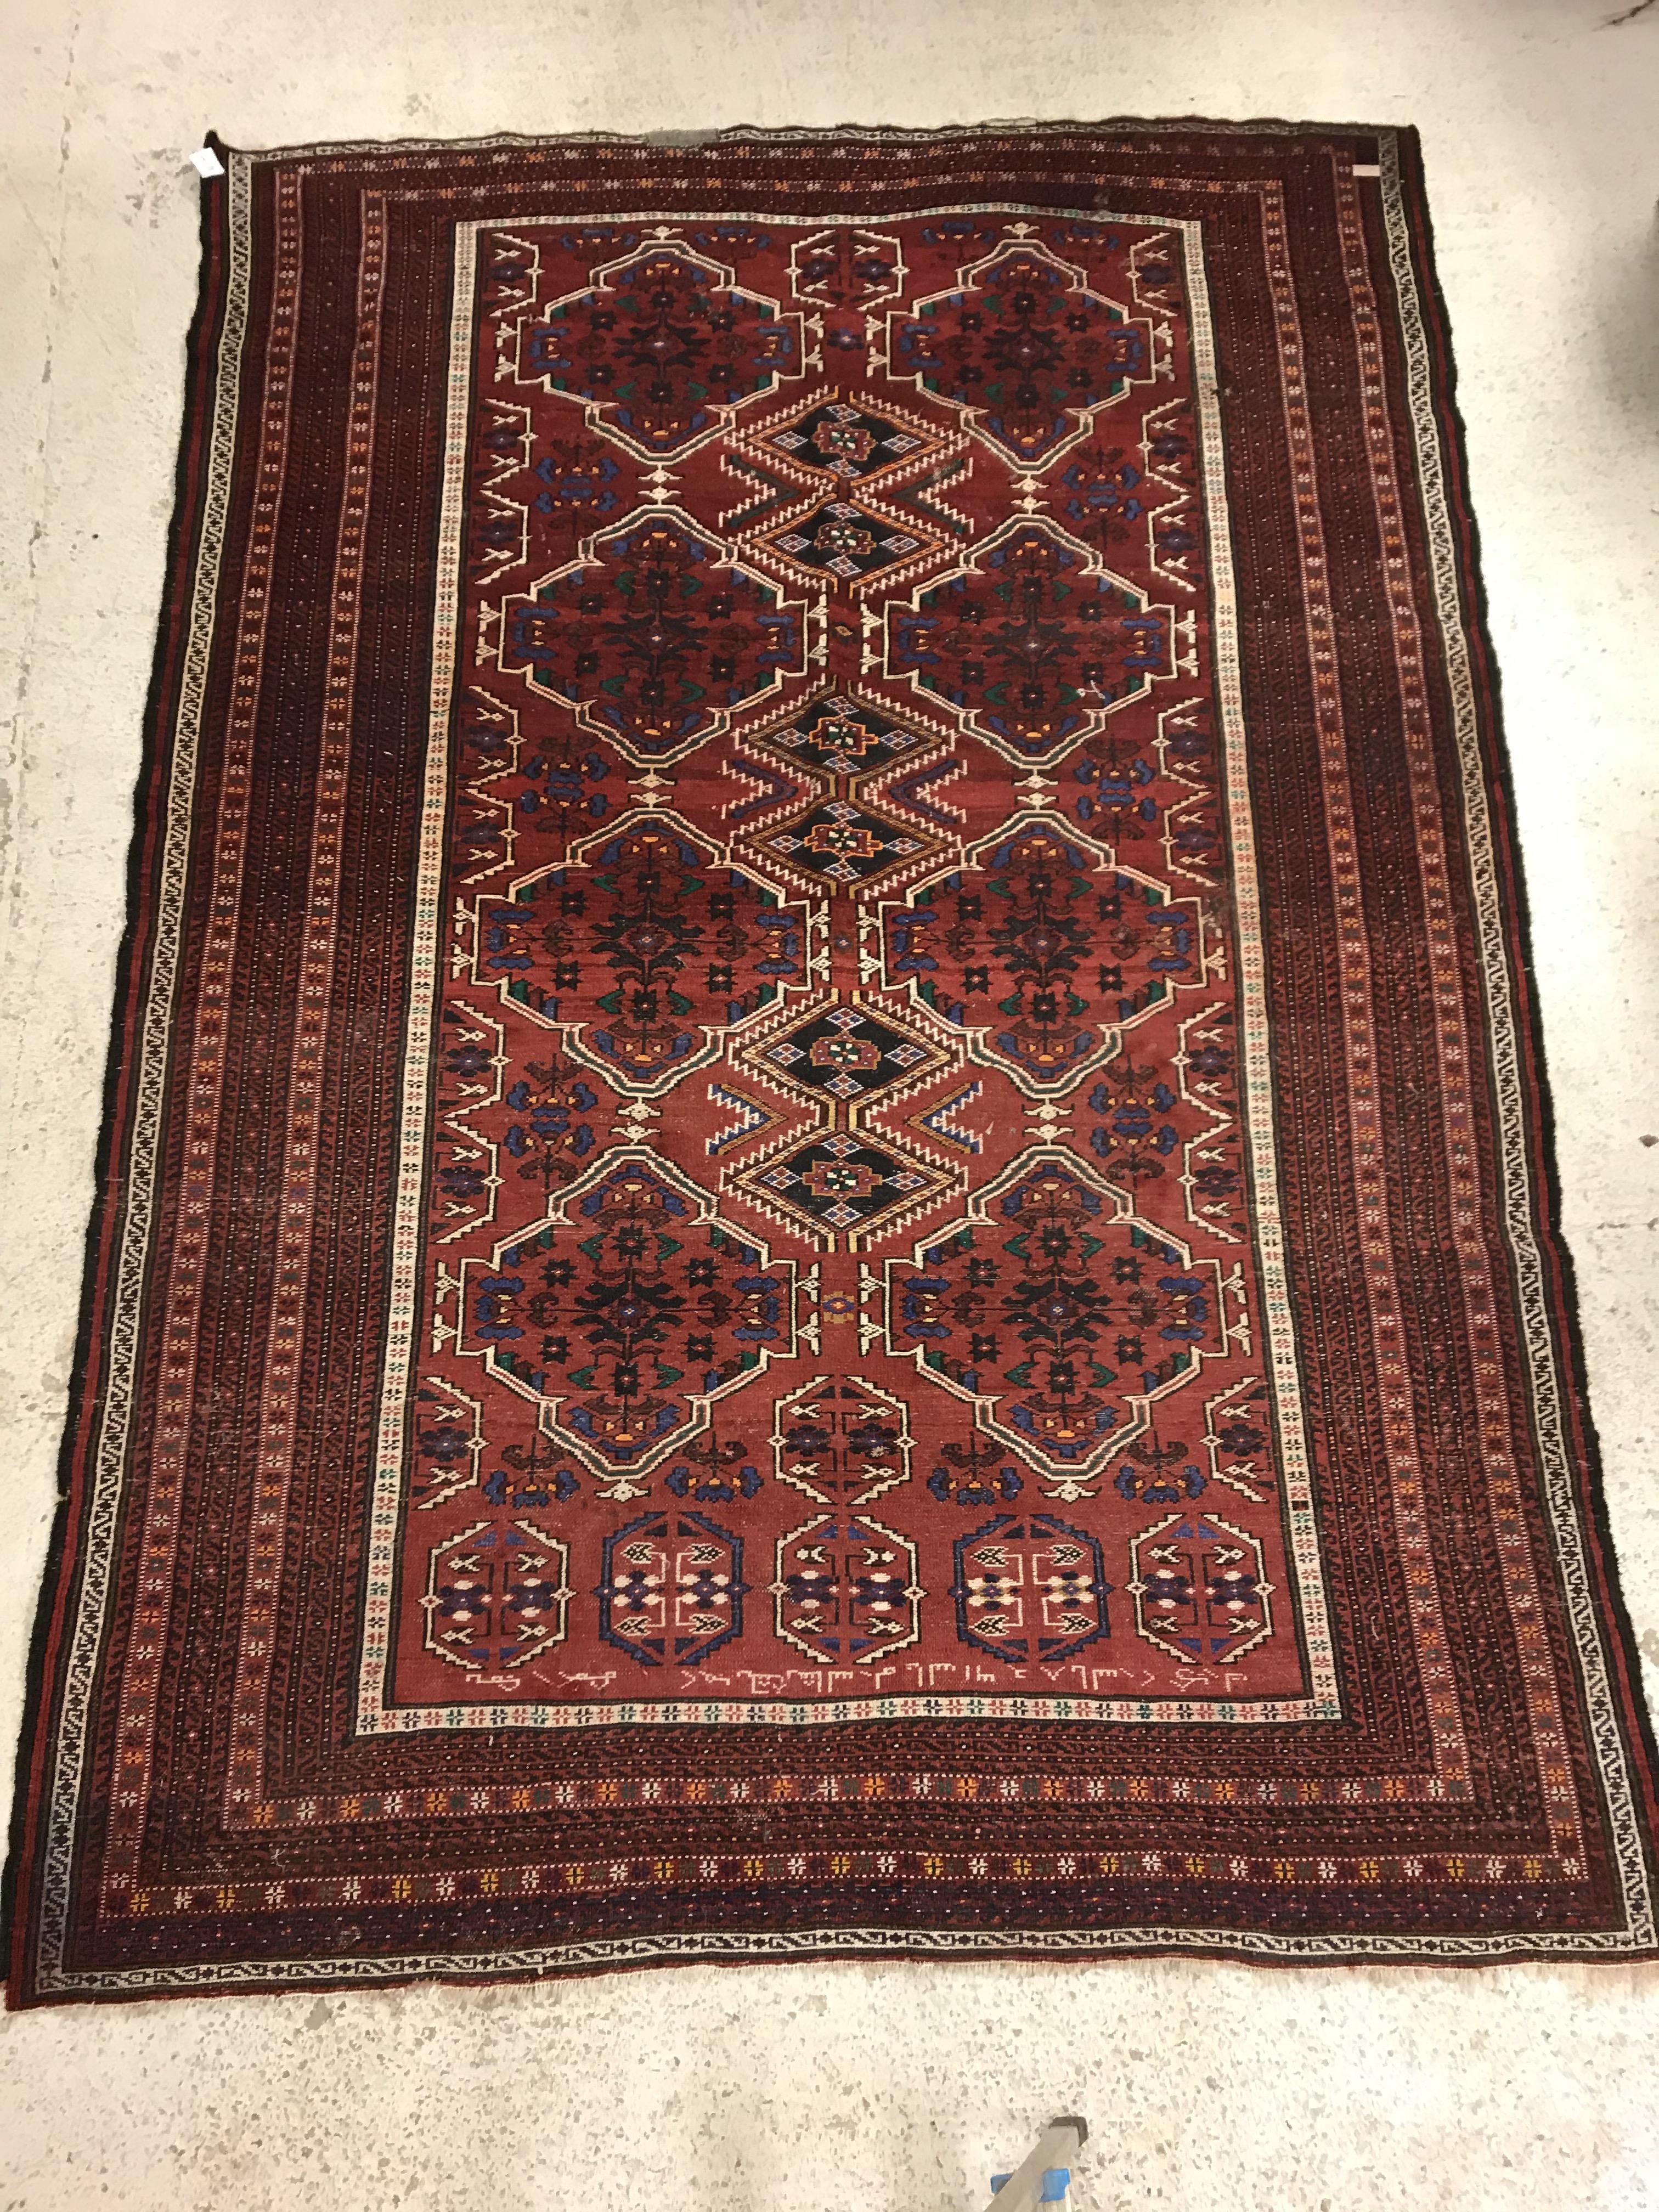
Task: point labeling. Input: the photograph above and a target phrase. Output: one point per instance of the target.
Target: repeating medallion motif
(839, 1145)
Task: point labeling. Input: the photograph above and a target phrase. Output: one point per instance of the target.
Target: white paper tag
(206, 163)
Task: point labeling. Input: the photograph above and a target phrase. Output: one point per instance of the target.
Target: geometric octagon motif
(1016, 933)
(1023, 347)
(1029, 1587)
(1057, 1314)
(659, 349)
(644, 948)
(592, 1325)
(1033, 642)
(653, 636)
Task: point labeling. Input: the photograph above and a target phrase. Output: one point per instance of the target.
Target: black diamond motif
(840, 539)
(845, 442)
(845, 1053)
(840, 841)
(845, 737)
(842, 1182)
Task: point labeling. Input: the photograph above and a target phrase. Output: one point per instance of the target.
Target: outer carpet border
(147, 808)
(1590, 1481)
(839, 1944)
(823, 1945)
(698, 141)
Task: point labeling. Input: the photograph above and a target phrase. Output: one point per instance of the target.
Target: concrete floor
(1330, 2091)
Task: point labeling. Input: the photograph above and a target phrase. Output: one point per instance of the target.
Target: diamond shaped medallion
(841, 1185)
(841, 735)
(844, 1052)
(842, 843)
(850, 443)
(849, 540)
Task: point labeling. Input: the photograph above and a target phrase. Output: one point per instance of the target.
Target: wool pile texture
(825, 1219)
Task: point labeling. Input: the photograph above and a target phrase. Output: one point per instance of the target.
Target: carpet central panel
(825, 1223)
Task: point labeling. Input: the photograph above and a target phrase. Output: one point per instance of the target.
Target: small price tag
(206, 163)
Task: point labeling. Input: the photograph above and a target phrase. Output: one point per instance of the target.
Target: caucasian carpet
(825, 1221)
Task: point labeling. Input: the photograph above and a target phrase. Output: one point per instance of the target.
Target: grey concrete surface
(889, 2085)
